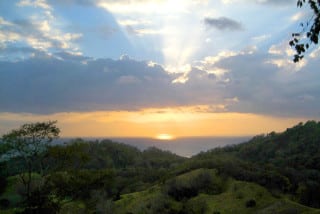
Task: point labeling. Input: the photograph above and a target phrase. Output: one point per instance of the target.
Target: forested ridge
(272, 173)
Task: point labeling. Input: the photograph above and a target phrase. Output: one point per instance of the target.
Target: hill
(288, 161)
(272, 173)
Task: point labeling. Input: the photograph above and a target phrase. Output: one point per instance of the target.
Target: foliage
(79, 184)
(191, 184)
(72, 156)
(30, 139)
(251, 203)
(108, 177)
(29, 143)
(3, 184)
(287, 162)
(301, 41)
(4, 203)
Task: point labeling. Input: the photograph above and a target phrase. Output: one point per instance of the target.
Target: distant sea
(186, 147)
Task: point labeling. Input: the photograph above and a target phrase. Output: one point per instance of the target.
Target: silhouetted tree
(309, 35)
(29, 143)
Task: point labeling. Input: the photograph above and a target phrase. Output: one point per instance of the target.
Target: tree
(309, 35)
(29, 143)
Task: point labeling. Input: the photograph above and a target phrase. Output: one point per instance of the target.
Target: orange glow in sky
(163, 123)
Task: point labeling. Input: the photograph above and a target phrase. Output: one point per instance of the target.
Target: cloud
(35, 3)
(266, 2)
(277, 2)
(4, 22)
(73, 2)
(38, 34)
(282, 55)
(37, 29)
(223, 23)
(265, 88)
(46, 83)
(55, 77)
(261, 38)
(65, 82)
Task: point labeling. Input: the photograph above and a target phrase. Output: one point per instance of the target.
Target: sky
(147, 68)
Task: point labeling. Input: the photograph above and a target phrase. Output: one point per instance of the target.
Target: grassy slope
(232, 200)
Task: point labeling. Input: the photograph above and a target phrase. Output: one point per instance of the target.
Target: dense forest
(272, 173)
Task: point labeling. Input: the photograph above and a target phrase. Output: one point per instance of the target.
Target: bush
(251, 203)
(3, 184)
(4, 203)
(196, 206)
(191, 184)
(180, 191)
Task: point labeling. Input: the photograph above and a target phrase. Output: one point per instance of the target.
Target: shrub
(191, 184)
(3, 184)
(251, 203)
(196, 206)
(4, 203)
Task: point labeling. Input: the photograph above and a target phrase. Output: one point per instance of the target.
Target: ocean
(185, 147)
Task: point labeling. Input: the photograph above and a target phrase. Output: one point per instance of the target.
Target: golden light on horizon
(158, 123)
(164, 137)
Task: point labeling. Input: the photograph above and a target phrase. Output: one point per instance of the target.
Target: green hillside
(273, 173)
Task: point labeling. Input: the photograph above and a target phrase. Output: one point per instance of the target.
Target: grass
(232, 200)
(74, 207)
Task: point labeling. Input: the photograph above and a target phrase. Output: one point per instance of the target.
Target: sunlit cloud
(34, 3)
(221, 55)
(132, 22)
(287, 64)
(39, 30)
(282, 57)
(6, 36)
(4, 22)
(297, 16)
(148, 7)
(170, 20)
(261, 38)
(315, 53)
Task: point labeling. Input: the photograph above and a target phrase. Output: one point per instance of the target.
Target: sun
(164, 137)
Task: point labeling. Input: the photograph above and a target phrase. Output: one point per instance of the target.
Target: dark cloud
(64, 82)
(14, 50)
(264, 88)
(71, 57)
(14, 53)
(223, 23)
(47, 85)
